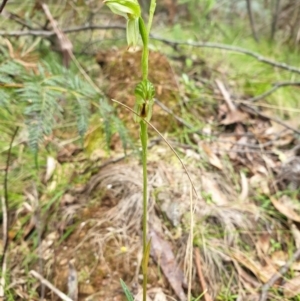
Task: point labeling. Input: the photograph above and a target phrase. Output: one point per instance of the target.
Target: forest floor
(241, 151)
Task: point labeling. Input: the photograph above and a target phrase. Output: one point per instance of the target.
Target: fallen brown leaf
(263, 244)
(234, 117)
(213, 159)
(162, 253)
(287, 207)
(263, 273)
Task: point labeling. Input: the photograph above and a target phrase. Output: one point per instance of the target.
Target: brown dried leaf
(279, 258)
(234, 117)
(67, 153)
(213, 159)
(67, 199)
(86, 289)
(162, 253)
(287, 207)
(292, 287)
(263, 243)
(264, 273)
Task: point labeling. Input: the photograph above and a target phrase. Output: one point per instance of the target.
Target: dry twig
(207, 297)
(277, 120)
(236, 49)
(55, 290)
(172, 43)
(5, 217)
(231, 107)
(3, 5)
(50, 33)
(272, 90)
(64, 44)
(17, 19)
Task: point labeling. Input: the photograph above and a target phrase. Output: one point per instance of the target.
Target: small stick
(172, 43)
(235, 49)
(4, 200)
(251, 19)
(275, 87)
(207, 297)
(277, 120)
(55, 290)
(265, 288)
(2, 5)
(64, 44)
(231, 107)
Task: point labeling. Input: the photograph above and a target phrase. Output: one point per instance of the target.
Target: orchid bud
(132, 31)
(129, 9)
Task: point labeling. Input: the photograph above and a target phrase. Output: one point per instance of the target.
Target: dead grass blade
(60, 294)
(72, 282)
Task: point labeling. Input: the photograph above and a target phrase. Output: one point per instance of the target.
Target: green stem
(145, 55)
(144, 140)
(151, 14)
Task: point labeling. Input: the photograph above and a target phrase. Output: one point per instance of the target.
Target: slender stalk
(144, 93)
(144, 140)
(145, 55)
(151, 14)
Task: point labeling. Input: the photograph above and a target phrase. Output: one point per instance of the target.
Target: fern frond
(42, 106)
(38, 102)
(4, 98)
(82, 113)
(121, 129)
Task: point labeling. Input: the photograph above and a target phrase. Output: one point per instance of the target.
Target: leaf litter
(95, 229)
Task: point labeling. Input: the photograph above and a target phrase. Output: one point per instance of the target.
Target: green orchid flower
(129, 9)
(144, 95)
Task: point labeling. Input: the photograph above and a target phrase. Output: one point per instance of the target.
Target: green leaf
(126, 290)
(146, 256)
